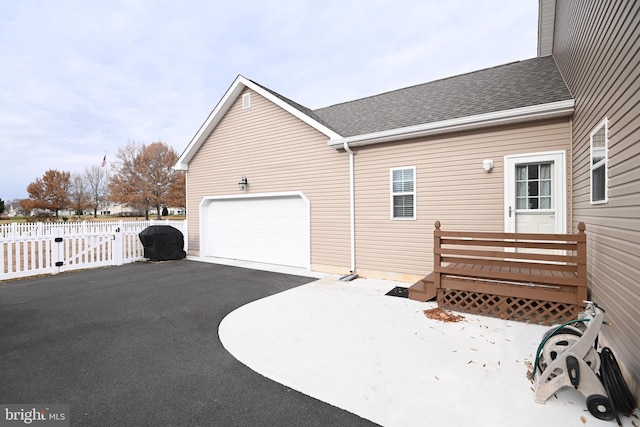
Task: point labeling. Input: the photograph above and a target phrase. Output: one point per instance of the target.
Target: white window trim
(414, 193)
(604, 123)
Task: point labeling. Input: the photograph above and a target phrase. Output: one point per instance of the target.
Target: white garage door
(273, 229)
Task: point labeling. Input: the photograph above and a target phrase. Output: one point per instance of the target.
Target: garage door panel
(264, 229)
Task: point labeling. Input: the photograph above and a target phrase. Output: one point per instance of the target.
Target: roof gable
(230, 96)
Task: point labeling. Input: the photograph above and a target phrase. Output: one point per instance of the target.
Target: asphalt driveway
(138, 345)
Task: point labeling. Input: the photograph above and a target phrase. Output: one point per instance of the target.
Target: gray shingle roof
(514, 85)
(309, 112)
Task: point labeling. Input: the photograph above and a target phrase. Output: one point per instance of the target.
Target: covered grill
(162, 243)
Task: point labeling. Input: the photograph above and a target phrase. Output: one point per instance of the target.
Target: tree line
(141, 178)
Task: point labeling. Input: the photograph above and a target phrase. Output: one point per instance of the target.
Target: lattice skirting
(504, 307)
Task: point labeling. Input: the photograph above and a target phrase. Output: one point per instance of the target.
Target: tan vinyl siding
(451, 187)
(597, 50)
(277, 153)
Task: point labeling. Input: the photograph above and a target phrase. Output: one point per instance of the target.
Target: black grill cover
(162, 243)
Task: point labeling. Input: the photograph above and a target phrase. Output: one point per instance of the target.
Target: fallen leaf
(583, 419)
(436, 377)
(470, 361)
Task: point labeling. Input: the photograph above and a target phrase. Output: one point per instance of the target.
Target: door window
(533, 186)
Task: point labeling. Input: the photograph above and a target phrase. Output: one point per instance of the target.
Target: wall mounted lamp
(243, 184)
(487, 165)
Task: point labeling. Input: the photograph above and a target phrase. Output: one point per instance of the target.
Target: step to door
(423, 290)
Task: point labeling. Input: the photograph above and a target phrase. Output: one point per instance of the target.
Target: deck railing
(526, 276)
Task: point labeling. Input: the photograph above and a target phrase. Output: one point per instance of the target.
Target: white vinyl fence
(52, 248)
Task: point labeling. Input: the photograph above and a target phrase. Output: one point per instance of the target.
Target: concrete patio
(380, 357)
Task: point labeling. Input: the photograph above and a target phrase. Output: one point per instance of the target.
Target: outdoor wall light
(487, 165)
(243, 184)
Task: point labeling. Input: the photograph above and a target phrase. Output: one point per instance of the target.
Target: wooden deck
(539, 278)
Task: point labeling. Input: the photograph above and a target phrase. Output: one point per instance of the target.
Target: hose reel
(568, 356)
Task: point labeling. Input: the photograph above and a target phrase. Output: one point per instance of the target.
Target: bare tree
(78, 193)
(96, 180)
(143, 177)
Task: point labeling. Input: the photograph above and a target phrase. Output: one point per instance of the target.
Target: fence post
(118, 245)
(57, 250)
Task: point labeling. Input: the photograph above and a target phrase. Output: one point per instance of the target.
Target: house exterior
(597, 48)
(531, 146)
(322, 184)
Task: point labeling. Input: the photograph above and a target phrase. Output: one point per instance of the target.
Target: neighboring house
(597, 48)
(118, 209)
(357, 186)
(13, 208)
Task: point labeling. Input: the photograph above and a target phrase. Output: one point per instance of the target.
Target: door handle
(509, 211)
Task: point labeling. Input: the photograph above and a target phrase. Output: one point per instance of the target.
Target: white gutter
(352, 207)
(534, 112)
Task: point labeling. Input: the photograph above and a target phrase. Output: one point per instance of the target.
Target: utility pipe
(352, 207)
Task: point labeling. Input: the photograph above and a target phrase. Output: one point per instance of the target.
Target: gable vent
(246, 101)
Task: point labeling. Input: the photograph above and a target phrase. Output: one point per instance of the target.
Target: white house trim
(535, 112)
(223, 106)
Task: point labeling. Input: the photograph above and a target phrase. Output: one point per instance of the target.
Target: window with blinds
(403, 203)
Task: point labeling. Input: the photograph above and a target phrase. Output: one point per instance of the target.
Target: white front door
(535, 196)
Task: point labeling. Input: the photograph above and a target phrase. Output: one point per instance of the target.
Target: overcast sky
(81, 78)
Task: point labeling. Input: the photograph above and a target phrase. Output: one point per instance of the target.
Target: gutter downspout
(352, 207)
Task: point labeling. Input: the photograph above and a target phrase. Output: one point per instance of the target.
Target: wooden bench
(537, 278)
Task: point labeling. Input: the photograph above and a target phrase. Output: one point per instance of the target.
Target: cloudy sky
(82, 78)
